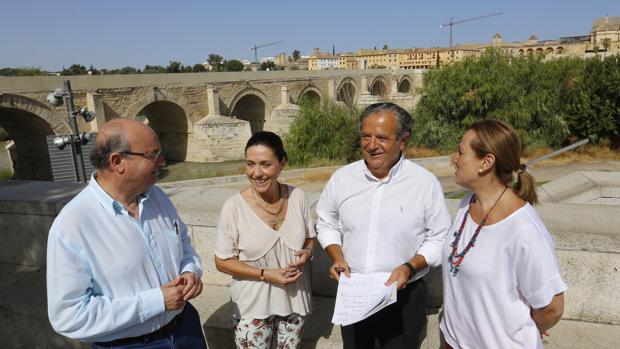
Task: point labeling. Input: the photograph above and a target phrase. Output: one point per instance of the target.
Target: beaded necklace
(455, 266)
(276, 222)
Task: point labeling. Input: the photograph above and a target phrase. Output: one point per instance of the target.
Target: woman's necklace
(276, 222)
(455, 265)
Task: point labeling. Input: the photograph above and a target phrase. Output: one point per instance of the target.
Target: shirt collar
(111, 205)
(391, 174)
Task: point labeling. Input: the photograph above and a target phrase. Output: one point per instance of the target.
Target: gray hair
(106, 145)
(405, 122)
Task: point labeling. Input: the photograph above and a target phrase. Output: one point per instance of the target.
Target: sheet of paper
(362, 295)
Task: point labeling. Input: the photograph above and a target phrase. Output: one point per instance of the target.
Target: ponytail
(525, 186)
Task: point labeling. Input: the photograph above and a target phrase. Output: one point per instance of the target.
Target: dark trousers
(398, 325)
(183, 332)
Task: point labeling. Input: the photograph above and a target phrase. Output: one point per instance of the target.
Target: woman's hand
(303, 256)
(282, 277)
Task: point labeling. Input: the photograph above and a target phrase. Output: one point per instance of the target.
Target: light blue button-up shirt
(105, 268)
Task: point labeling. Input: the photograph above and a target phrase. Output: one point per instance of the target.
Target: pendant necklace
(455, 265)
(276, 222)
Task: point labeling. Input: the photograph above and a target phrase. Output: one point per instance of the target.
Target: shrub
(548, 103)
(323, 135)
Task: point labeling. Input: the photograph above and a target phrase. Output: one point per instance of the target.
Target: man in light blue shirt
(120, 265)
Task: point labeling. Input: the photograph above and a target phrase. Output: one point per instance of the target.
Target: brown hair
(500, 139)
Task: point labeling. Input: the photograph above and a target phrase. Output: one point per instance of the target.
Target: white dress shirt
(381, 224)
(105, 268)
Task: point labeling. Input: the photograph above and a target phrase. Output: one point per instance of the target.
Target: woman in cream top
(264, 240)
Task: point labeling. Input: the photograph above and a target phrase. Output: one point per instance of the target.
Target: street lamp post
(75, 140)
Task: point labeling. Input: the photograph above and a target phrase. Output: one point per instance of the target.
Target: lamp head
(87, 115)
(56, 98)
(61, 142)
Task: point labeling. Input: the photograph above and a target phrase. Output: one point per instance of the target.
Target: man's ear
(404, 140)
(116, 163)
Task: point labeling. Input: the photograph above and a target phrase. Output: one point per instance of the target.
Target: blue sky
(115, 33)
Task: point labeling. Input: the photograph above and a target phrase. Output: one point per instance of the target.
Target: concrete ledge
(583, 187)
(36, 197)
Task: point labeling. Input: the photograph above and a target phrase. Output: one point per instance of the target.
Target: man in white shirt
(120, 265)
(385, 214)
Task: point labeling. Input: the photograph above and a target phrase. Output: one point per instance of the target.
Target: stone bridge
(199, 117)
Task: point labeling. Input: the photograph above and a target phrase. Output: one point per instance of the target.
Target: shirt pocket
(174, 246)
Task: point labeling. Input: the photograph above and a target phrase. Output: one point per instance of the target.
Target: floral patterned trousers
(259, 333)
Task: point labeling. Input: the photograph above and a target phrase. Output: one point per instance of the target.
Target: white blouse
(242, 234)
(511, 269)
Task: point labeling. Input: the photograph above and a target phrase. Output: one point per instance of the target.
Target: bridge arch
(165, 114)
(28, 122)
(252, 105)
(379, 86)
(405, 84)
(347, 91)
(311, 94)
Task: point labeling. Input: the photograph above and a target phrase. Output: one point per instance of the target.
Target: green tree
(23, 71)
(323, 135)
(75, 69)
(154, 69)
(174, 67)
(126, 70)
(215, 61)
(269, 65)
(199, 68)
(520, 91)
(233, 65)
(295, 55)
(593, 101)
(385, 46)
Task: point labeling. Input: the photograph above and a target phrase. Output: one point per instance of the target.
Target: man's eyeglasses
(152, 157)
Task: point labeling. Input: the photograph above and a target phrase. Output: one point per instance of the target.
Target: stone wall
(587, 241)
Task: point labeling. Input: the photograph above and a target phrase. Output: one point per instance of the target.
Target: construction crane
(256, 47)
(452, 22)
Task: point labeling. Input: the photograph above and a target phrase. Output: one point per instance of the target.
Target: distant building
(604, 39)
(322, 61)
(281, 59)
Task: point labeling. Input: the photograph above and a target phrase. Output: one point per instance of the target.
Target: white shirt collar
(391, 174)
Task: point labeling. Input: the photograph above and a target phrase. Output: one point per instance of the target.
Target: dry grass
(584, 154)
(318, 176)
(423, 152)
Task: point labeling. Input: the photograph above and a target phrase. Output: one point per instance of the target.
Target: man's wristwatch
(411, 269)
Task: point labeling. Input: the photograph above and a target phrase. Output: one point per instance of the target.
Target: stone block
(592, 280)
(28, 245)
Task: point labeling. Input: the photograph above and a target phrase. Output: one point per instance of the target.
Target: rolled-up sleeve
(328, 224)
(438, 222)
(227, 236)
(73, 308)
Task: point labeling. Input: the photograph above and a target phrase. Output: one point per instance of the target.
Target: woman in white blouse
(264, 241)
(501, 281)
